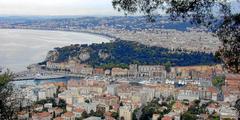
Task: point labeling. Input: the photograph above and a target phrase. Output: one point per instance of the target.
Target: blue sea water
(40, 82)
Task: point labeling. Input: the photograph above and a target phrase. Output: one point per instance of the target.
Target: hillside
(122, 53)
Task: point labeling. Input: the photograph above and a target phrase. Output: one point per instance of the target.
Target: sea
(22, 47)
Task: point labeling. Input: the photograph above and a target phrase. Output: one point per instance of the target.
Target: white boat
(45, 77)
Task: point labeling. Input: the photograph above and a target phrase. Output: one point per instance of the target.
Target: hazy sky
(63, 7)
(57, 7)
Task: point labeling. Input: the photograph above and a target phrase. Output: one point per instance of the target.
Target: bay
(21, 47)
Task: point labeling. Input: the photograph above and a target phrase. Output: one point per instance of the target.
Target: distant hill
(81, 22)
(122, 53)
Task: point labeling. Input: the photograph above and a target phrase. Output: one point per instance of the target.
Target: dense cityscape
(182, 65)
(172, 35)
(140, 92)
(125, 91)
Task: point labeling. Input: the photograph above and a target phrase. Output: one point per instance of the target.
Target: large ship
(45, 77)
(39, 76)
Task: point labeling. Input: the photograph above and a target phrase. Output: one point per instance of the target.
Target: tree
(168, 66)
(229, 34)
(87, 101)
(218, 81)
(188, 116)
(115, 115)
(84, 114)
(237, 106)
(215, 15)
(62, 104)
(8, 103)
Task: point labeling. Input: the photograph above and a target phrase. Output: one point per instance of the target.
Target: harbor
(46, 75)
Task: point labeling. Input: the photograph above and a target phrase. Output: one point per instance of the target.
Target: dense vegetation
(122, 53)
(8, 107)
(218, 81)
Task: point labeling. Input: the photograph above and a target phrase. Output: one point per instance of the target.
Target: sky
(64, 7)
(58, 7)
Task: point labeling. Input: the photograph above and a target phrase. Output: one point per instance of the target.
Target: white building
(125, 112)
(42, 94)
(228, 112)
(87, 106)
(188, 94)
(112, 89)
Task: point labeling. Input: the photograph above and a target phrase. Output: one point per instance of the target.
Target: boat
(45, 77)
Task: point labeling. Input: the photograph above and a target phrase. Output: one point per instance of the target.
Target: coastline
(99, 36)
(73, 31)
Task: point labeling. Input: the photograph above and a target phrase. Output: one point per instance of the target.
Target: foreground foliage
(7, 105)
(218, 16)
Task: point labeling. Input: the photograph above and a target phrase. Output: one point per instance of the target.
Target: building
(107, 72)
(47, 91)
(81, 69)
(133, 70)
(112, 89)
(212, 92)
(23, 115)
(179, 107)
(42, 95)
(107, 99)
(155, 116)
(119, 72)
(48, 105)
(58, 118)
(57, 66)
(78, 112)
(166, 118)
(93, 118)
(164, 90)
(86, 70)
(213, 107)
(157, 71)
(147, 94)
(38, 107)
(195, 72)
(68, 116)
(227, 112)
(125, 112)
(86, 106)
(190, 92)
(58, 111)
(98, 71)
(42, 116)
(232, 82)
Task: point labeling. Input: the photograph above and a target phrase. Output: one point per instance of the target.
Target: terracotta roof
(73, 83)
(178, 105)
(44, 114)
(212, 105)
(68, 114)
(22, 113)
(233, 76)
(109, 118)
(58, 110)
(108, 113)
(212, 89)
(61, 84)
(79, 110)
(166, 118)
(58, 118)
